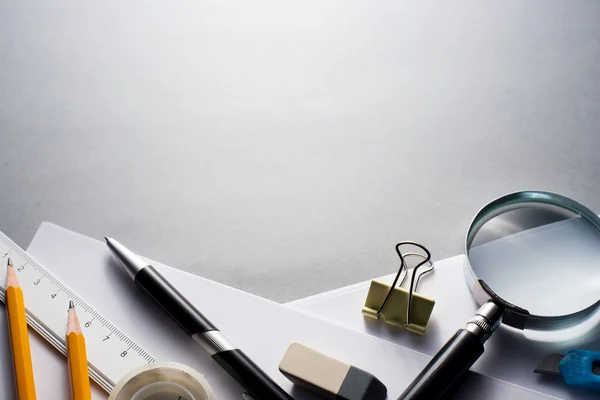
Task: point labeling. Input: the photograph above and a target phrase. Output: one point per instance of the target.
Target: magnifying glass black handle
(456, 357)
(449, 364)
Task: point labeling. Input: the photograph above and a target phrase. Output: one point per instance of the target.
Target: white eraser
(329, 377)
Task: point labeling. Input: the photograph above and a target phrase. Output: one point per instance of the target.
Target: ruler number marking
(124, 353)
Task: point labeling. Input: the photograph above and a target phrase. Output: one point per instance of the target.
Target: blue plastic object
(576, 368)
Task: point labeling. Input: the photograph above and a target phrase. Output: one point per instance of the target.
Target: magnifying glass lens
(541, 257)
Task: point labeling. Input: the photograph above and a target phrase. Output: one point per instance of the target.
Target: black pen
(232, 359)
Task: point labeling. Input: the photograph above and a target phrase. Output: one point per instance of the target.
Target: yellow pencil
(17, 325)
(78, 365)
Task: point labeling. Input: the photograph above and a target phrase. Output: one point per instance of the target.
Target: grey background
(284, 147)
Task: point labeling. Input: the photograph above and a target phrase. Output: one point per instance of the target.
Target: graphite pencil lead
(71, 304)
(9, 262)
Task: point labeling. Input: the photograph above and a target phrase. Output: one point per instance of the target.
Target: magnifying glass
(532, 263)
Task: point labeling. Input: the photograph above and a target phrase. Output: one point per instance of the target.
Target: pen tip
(106, 238)
(9, 262)
(71, 304)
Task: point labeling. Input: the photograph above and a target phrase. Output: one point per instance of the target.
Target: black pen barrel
(233, 360)
(172, 302)
(250, 376)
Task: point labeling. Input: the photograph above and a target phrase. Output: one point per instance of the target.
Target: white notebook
(262, 328)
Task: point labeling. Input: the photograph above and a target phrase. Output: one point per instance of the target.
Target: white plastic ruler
(111, 353)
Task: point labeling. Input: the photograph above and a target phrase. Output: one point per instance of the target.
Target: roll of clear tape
(163, 381)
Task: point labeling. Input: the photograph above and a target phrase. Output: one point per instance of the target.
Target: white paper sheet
(260, 327)
(510, 355)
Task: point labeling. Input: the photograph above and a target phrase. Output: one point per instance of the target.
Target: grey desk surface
(284, 147)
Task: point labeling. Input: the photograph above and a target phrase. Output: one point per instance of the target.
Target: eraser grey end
(360, 384)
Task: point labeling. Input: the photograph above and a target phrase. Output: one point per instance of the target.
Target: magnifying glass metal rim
(515, 316)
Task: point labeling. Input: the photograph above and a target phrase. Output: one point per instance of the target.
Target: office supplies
(244, 317)
(77, 357)
(509, 358)
(520, 275)
(398, 306)
(231, 358)
(163, 381)
(19, 337)
(110, 352)
(329, 377)
(577, 368)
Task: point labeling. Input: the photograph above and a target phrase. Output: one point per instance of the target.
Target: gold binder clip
(398, 306)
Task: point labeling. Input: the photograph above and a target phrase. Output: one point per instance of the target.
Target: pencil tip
(71, 304)
(9, 262)
(11, 276)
